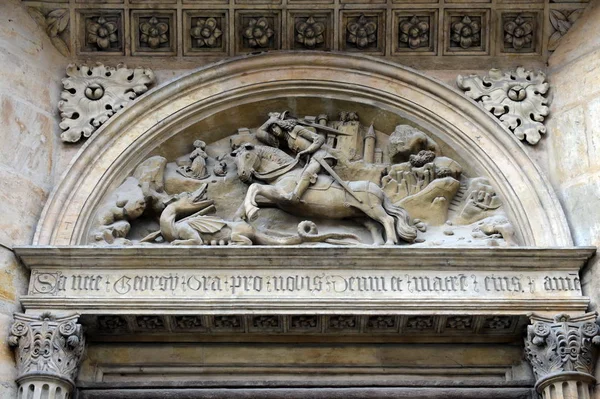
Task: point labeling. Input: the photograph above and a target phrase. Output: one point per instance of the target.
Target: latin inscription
(268, 283)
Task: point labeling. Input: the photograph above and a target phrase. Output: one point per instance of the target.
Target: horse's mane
(273, 154)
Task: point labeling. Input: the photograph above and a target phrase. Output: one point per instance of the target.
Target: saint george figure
(197, 170)
(302, 142)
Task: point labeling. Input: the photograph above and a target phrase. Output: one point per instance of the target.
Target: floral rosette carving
(562, 344)
(92, 95)
(101, 33)
(47, 345)
(466, 32)
(362, 32)
(516, 98)
(206, 32)
(154, 33)
(310, 32)
(258, 33)
(518, 32)
(414, 32)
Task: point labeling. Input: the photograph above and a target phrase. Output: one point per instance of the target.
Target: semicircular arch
(131, 135)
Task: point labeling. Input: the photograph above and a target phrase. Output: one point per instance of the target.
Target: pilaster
(48, 353)
(562, 351)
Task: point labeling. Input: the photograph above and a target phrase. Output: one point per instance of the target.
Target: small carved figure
(197, 169)
(220, 168)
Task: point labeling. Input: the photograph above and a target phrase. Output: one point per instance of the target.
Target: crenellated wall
(30, 68)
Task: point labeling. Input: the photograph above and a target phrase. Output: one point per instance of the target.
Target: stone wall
(574, 137)
(29, 86)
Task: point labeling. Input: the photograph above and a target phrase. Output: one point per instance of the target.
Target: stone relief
(362, 32)
(153, 33)
(102, 34)
(56, 25)
(91, 95)
(518, 33)
(258, 33)
(414, 32)
(561, 21)
(309, 33)
(206, 33)
(467, 32)
(305, 181)
(517, 98)
(47, 345)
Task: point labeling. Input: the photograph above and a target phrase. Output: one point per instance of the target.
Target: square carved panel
(153, 32)
(257, 30)
(205, 32)
(520, 32)
(310, 31)
(362, 31)
(415, 32)
(466, 32)
(101, 31)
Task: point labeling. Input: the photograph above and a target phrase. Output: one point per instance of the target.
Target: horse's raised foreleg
(271, 193)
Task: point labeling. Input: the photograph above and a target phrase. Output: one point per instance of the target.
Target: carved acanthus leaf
(55, 23)
(562, 344)
(47, 345)
(515, 97)
(92, 95)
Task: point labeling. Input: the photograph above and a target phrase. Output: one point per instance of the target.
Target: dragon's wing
(207, 224)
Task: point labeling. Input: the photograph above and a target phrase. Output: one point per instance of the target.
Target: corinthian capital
(562, 351)
(48, 350)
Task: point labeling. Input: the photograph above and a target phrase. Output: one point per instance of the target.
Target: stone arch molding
(130, 136)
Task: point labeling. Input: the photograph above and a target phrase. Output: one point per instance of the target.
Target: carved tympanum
(48, 351)
(517, 98)
(91, 95)
(294, 181)
(561, 350)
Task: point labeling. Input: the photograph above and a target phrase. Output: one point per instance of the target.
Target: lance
(337, 178)
(324, 128)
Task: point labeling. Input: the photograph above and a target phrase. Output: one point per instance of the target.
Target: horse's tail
(405, 230)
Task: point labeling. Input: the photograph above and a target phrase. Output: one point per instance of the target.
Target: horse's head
(247, 160)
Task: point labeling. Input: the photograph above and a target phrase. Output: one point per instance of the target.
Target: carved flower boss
(414, 32)
(101, 33)
(466, 32)
(92, 95)
(154, 33)
(310, 32)
(518, 32)
(258, 32)
(362, 32)
(206, 32)
(516, 98)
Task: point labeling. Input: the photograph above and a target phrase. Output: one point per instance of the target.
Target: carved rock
(431, 204)
(48, 351)
(92, 95)
(562, 351)
(407, 140)
(517, 98)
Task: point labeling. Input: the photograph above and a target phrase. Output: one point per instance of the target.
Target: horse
(324, 199)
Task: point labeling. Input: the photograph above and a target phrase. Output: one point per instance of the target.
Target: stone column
(48, 354)
(562, 351)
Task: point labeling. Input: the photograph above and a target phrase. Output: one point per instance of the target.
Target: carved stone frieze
(56, 23)
(561, 21)
(409, 191)
(562, 349)
(517, 98)
(91, 95)
(48, 349)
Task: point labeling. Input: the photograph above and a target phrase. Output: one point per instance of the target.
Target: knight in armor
(301, 141)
